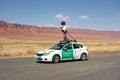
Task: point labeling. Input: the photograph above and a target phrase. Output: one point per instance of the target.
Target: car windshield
(57, 46)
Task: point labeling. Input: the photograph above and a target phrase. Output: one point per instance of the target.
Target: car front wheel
(56, 59)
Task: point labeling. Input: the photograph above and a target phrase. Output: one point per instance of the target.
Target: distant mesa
(21, 31)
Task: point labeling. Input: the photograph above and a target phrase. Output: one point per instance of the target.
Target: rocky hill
(20, 31)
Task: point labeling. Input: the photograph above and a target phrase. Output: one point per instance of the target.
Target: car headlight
(46, 54)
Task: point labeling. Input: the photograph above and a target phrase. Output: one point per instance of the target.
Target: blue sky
(84, 14)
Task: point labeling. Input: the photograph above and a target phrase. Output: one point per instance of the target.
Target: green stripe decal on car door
(68, 52)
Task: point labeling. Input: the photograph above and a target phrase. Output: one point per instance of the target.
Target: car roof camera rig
(65, 33)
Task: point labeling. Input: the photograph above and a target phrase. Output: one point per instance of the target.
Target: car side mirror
(65, 49)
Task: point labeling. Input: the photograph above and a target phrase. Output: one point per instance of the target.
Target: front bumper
(43, 58)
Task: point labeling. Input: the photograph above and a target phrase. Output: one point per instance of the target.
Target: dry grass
(22, 47)
(29, 46)
(102, 45)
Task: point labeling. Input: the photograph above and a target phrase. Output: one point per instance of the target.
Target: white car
(63, 51)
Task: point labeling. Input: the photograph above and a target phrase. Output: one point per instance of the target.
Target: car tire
(83, 57)
(56, 59)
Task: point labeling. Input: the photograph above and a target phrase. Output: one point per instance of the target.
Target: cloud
(83, 17)
(62, 17)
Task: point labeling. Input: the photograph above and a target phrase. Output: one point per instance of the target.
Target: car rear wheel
(83, 57)
(56, 59)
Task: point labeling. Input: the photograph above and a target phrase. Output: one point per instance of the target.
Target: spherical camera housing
(63, 23)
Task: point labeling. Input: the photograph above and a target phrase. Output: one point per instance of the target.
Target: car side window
(76, 46)
(69, 46)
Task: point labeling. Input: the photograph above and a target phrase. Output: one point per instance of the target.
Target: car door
(77, 51)
(67, 51)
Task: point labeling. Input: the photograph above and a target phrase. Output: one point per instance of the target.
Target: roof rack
(67, 41)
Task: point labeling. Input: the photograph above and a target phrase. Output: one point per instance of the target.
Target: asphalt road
(100, 66)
